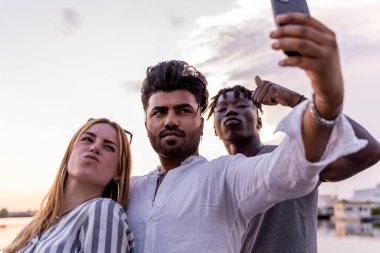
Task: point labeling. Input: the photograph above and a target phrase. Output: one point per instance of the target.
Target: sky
(62, 62)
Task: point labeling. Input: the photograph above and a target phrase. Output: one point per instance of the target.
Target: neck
(76, 193)
(168, 163)
(248, 147)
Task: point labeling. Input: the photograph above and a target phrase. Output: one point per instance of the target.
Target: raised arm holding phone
(319, 57)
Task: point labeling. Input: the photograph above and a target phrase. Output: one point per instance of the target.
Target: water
(348, 237)
(332, 238)
(10, 227)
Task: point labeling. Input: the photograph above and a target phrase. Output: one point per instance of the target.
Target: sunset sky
(62, 62)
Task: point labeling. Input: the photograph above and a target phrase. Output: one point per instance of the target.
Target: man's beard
(188, 147)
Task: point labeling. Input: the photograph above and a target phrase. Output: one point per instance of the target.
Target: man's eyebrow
(105, 140)
(223, 102)
(236, 100)
(160, 108)
(180, 106)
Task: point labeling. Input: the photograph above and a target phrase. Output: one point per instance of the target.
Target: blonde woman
(83, 209)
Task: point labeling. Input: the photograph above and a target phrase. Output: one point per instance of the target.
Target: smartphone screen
(287, 6)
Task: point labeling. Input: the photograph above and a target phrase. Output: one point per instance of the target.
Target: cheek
(73, 160)
(252, 117)
(151, 125)
(112, 165)
(217, 127)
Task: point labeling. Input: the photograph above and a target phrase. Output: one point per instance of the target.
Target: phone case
(285, 6)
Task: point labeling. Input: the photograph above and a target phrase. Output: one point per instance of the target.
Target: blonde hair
(51, 204)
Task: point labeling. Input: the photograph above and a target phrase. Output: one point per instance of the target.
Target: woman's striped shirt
(99, 225)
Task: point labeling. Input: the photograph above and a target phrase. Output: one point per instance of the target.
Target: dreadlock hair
(237, 90)
(175, 75)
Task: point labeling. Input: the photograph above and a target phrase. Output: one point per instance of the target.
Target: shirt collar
(187, 161)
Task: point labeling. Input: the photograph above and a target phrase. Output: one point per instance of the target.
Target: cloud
(232, 47)
(235, 51)
(71, 20)
(235, 42)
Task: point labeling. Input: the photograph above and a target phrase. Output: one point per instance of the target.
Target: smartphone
(286, 6)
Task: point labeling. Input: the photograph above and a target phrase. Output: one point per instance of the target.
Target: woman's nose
(94, 148)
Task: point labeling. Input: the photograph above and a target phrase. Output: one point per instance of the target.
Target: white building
(352, 210)
(372, 195)
(326, 205)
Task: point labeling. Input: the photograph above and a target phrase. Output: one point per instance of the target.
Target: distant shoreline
(6, 214)
(17, 216)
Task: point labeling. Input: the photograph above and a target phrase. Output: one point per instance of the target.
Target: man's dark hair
(175, 75)
(237, 90)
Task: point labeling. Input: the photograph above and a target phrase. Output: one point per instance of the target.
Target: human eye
(158, 113)
(242, 106)
(109, 148)
(220, 109)
(185, 110)
(87, 139)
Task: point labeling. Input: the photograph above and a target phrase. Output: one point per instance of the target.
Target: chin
(171, 143)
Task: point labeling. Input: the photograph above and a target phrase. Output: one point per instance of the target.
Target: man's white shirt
(205, 206)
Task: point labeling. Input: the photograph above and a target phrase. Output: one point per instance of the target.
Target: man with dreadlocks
(289, 226)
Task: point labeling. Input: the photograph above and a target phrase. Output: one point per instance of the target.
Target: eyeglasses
(130, 135)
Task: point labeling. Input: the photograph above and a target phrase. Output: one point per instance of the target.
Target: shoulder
(204, 167)
(267, 149)
(136, 180)
(105, 211)
(104, 207)
(225, 159)
(102, 202)
(226, 162)
(106, 219)
(137, 183)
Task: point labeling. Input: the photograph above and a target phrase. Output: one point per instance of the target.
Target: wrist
(294, 100)
(329, 107)
(299, 100)
(324, 119)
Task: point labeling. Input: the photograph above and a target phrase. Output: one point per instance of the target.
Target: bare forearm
(350, 165)
(315, 134)
(319, 57)
(315, 138)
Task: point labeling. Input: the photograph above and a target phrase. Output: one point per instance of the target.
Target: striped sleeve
(106, 228)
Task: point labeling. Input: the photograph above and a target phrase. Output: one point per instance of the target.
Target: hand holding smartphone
(287, 6)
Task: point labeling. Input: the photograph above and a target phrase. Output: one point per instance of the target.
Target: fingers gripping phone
(286, 6)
